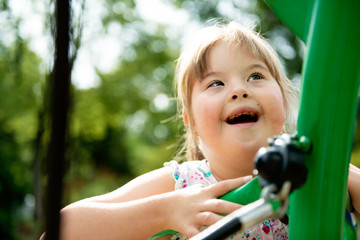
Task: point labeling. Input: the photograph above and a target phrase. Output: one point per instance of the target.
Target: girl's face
(236, 107)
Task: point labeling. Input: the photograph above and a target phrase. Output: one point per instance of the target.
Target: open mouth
(245, 117)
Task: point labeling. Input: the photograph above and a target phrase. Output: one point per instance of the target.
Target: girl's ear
(186, 121)
(185, 118)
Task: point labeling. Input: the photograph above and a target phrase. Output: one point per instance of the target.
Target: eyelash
(213, 82)
(220, 82)
(255, 74)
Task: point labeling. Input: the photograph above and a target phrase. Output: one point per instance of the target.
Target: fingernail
(248, 178)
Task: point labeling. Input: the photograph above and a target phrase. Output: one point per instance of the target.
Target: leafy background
(124, 122)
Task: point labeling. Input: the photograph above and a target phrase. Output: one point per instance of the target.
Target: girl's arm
(134, 211)
(146, 206)
(354, 188)
(137, 219)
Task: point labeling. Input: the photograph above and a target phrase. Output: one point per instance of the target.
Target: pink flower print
(266, 228)
(184, 183)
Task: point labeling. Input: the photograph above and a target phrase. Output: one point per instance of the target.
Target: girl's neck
(228, 172)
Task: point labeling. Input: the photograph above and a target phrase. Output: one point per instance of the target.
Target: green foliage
(19, 81)
(12, 182)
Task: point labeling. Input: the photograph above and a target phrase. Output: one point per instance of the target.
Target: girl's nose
(239, 92)
(235, 96)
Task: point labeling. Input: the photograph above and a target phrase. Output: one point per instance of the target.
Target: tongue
(245, 118)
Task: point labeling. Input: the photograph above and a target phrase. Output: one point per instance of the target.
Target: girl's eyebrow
(257, 65)
(251, 66)
(207, 74)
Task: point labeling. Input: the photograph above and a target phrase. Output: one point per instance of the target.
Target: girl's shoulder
(191, 173)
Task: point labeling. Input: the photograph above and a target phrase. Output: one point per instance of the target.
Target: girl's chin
(248, 146)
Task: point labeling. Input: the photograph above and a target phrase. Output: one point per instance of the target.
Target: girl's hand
(198, 205)
(354, 188)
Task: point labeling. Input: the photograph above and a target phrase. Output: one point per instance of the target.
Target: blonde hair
(192, 64)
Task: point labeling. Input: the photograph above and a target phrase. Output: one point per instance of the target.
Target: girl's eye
(256, 76)
(215, 83)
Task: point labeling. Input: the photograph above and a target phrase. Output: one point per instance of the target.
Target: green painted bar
(295, 14)
(331, 78)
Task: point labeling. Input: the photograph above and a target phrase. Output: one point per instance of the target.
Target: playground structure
(330, 86)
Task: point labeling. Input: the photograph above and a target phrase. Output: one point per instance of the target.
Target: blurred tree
(12, 183)
(19, 98)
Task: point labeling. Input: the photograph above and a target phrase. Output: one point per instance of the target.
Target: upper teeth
(251, 114)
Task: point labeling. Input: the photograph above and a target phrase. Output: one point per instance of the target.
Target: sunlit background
(123, 114)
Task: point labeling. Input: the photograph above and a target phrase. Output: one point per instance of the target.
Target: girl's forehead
(241, 55)
(233, 48)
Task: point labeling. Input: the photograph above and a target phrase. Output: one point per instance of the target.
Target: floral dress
(198, 172)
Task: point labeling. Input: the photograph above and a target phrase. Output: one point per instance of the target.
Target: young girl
(233, 95)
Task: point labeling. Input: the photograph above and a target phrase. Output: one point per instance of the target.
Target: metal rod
(239, 220)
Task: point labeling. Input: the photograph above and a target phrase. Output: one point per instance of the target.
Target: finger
(192, 232)
(226, 186)
(221, 206)
(208, 218)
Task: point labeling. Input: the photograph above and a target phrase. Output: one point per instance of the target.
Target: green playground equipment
(330, 87)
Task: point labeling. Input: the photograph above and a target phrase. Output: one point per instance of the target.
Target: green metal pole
(296, 14)
(331, 78)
